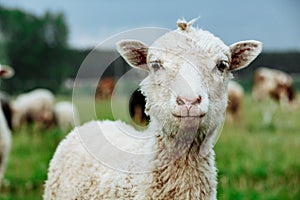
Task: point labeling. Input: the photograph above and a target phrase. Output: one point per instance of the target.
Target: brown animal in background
(235, 101)
(137, 105)
(105, 88)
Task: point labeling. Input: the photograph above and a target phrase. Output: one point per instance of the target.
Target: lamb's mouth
(189, 116)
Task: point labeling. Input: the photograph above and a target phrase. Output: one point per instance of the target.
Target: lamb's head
(189, 70)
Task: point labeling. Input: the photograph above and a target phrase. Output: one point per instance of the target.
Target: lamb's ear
(243, 53)
(6, 71)
(134, 52)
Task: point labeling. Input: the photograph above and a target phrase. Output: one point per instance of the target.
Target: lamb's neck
(180, 169)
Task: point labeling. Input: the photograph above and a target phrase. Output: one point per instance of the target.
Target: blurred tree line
(36, 47)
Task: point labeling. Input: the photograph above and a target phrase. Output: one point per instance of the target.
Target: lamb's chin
(189, 122)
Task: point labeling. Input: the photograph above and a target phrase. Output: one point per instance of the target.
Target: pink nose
(183, 101)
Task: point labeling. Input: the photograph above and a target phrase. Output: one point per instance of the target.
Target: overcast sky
(274, 22)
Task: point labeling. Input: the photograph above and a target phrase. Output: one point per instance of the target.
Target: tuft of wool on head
(184, 25)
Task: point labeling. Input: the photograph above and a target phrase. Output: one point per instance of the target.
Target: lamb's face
(189, 83)
(188, 75)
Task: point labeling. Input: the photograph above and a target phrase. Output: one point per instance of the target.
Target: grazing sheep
(235, 101)
(34, 106)
(5, 134)
(272, 84)
(186, 94)
(137, 104)
(66, 115)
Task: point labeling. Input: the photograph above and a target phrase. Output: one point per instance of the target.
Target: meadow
(254, 160)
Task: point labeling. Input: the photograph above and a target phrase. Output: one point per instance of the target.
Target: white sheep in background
(34, 106)
(5, 134)
(235, 101)
(66, 115)
(186, 93)
(275, 85)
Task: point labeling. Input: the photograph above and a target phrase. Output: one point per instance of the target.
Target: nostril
(179, 101)
(197, 101)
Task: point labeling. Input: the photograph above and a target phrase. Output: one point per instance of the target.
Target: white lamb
(5, 134)
(186, 93)
(34, 106)
(66, 115)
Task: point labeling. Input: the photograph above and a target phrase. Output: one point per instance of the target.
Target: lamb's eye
(156, 65)
(222, 65)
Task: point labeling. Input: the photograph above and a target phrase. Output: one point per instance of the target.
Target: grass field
(255, 161)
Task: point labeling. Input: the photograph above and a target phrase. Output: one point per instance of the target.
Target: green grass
(254, 161)
(28, 163)
(258, 161)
